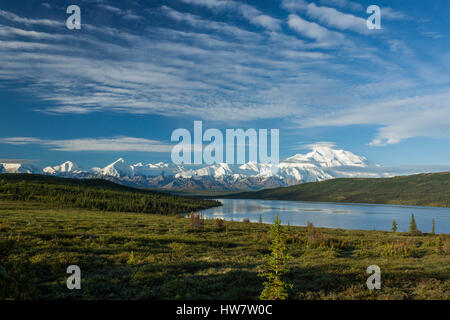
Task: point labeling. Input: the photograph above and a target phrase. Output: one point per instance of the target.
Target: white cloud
(43, 22)
(391, 14)
(319, 145)
(253, 15)
(270, 75)
(94, 144)
(344, 4)
(126, 14)
(336, 19)
(398, 119)
(198, 22)
(313, 30)
(294, 5)
(7, 31)
(328, 16)
(399, 46)
(111, 8)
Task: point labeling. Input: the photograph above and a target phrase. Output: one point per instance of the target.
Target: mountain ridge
(322, 163)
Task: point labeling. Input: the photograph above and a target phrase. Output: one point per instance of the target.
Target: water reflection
(332, 215)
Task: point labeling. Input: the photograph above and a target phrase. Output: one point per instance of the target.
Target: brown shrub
(196, 221)
(220, 223)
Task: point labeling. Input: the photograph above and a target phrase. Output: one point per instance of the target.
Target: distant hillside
(431, 189)
(93, 194)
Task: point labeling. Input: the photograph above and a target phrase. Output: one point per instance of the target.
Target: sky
(138, 70)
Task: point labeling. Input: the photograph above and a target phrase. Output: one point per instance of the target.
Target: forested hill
(96, 194)
(431, 189)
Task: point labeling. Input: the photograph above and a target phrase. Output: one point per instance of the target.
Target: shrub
(219, 223)
(246, 220)
(399, 248)
(394, 226)
(131, 259)
(196, 221)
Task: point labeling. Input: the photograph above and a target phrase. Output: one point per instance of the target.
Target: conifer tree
(433, 227)
(394, 226)
(413, 225)
(275, 268)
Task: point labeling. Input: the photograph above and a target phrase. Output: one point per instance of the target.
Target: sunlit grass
(172, 261)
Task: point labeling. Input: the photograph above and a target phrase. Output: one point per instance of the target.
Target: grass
(431, 189)
(149, 256)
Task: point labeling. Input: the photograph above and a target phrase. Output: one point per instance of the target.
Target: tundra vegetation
(134, 255)
(428, 189)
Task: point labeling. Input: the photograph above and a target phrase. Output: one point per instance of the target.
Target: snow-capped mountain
(327, 157)
(322, 163)
(17, 168)
(66, 167)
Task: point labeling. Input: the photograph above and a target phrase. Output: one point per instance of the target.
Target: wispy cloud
(328, 16)
(248, 12)
(27, 21)
(398, 119)
(344, 4)
(93, 144)
(304, 69)
(198, 22)
(126, 14)
(314, 31)
(390, 14)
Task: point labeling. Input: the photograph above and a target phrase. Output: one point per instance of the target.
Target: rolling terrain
(95, 194)
(431, 189)
(49, 223)
(126, 255)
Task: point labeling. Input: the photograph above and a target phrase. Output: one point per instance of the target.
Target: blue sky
(137, 70)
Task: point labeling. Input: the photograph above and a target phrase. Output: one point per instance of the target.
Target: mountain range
(322, 163)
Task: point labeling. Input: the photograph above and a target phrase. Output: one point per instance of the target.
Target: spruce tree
(275, 268)
(394, 226)
(433, 227)
(413, 225)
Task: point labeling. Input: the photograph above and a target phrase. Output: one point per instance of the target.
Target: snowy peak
(118, 169)
(323, 162)
(66, 167)
(215, 170)
(17, 168)
(327, 157)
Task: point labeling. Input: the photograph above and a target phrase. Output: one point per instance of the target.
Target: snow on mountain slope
(153, 169)
(219, 170)
(322, 163)
(326, 157)
(66, 167)
(18, 168)
(118, 168)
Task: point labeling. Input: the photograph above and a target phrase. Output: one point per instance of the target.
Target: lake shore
(146, 256)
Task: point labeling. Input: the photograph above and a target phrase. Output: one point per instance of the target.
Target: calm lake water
(333, 215)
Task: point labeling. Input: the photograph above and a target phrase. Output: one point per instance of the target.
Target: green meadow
(145, 256)
(45, 226)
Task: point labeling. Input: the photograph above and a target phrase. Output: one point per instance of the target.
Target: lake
(332, 215)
